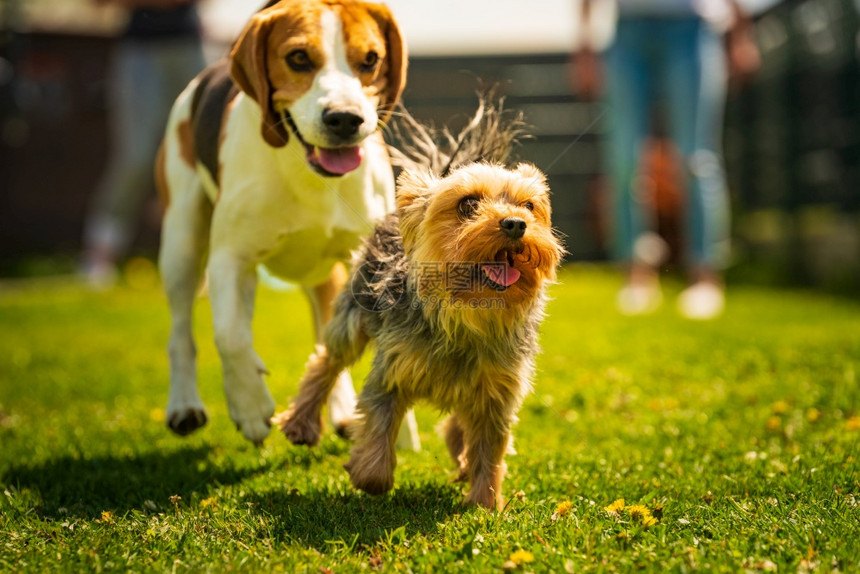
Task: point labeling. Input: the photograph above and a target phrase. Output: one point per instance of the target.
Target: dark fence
(53, 144)
(793, 146)
(793, 138)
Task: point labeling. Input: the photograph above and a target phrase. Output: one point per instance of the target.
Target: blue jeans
(681, 63)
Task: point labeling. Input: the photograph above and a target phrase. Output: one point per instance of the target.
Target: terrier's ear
(413, 193)
(529, 171)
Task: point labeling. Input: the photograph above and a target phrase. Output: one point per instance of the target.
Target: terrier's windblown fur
(451, 288)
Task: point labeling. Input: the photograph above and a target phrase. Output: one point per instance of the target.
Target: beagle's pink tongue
(338, 160)
(501, 273)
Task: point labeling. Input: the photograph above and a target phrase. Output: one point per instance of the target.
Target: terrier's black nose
(513, 227)
(342, 124)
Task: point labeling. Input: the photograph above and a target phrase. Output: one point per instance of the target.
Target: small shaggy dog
(451, 289)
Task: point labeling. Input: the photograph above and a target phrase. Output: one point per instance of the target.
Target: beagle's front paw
(255, 430)
(254, 417)
(183, 420)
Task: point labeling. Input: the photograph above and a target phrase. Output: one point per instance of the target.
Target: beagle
(274, 158)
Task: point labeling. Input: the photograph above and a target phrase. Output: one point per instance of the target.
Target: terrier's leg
(302, 423)
(341, 396)
(487, 438)
(455, 441)
(372, 461)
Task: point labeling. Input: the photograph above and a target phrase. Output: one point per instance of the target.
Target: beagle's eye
(529, 205)
(299, 61)
(369, 62)
(468, 206)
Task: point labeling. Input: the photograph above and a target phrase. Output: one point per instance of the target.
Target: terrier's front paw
(370, 480)
(484, 497)
(300, 430)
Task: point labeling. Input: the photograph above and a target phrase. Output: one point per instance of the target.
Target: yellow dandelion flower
(107, 517)
(813, 415)
(649, 521)
(852, 424)
(779, 407)
(521, 557)
(562, 507)
(774, 423)
(638, 511)
(615, 507)
(207, 502)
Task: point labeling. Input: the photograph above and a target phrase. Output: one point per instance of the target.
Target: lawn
(733, 443)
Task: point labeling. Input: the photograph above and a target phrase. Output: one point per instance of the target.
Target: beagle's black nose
(513, 227)
(342, 124)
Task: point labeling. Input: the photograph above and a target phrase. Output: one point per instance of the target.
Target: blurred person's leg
(181, 60)
(629, 71)
(695, 95)
(144, 79)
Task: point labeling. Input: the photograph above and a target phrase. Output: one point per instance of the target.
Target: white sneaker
(702, 301)
(639, 299)
(99, 276)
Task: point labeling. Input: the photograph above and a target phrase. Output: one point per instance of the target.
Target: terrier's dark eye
(299, 61)
(529, 205)
(369, 62)
(467, 206)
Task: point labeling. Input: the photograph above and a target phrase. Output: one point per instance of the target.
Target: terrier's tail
(490, 136)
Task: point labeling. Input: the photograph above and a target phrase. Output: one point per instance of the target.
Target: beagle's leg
(342, 400)
(184, 241)
(407, 437)
(232, 286)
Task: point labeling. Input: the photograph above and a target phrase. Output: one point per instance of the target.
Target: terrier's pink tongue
(502, 273)
(338, 160)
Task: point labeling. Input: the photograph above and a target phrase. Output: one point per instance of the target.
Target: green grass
(740, 435)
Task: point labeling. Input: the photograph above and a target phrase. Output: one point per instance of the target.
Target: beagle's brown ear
(397, 59)
(414, 190)
(248, 68)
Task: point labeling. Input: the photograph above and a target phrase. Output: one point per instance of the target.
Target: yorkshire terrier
(451, 288)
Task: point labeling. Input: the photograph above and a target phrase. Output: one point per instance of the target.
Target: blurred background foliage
(792, 140)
